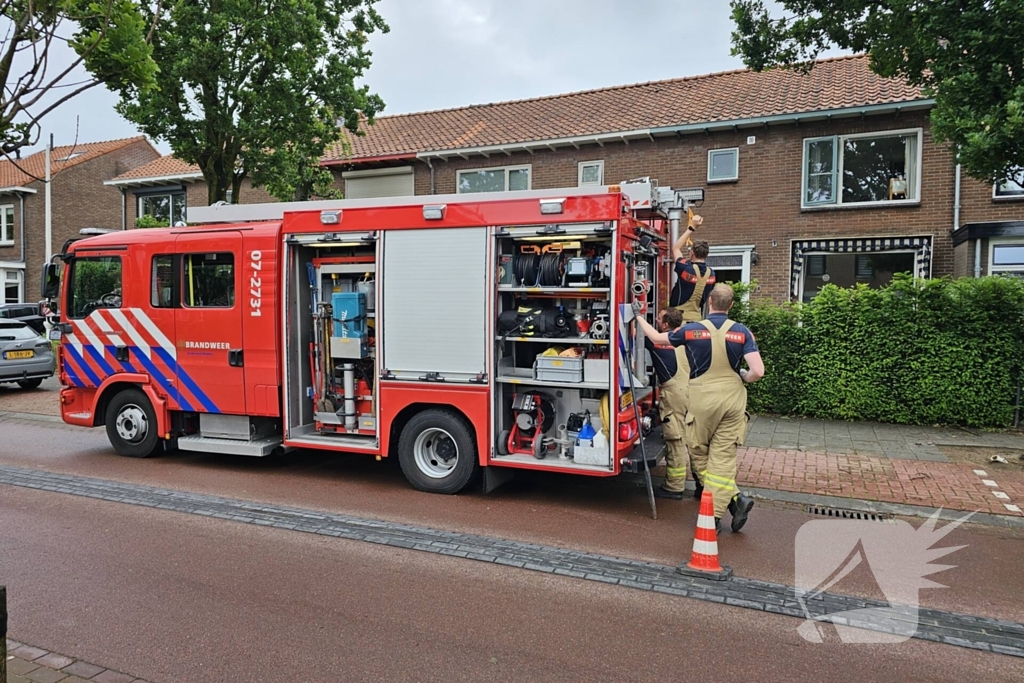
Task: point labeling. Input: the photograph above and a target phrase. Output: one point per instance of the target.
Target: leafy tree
(966, 54)
(257, 87)
(109, 38)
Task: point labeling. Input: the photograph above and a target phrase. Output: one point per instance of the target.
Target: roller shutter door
(389, 185)
(435, 303)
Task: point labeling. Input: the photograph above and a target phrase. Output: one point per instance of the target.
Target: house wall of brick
(763, 206)
(79, 200)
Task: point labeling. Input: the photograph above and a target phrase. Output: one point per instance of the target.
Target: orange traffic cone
(704, 559)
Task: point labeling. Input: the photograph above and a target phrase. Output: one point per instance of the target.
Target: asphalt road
(176, 597)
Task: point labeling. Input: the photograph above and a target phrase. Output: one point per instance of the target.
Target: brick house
(79, 199)
(831, 176)
(165, 187)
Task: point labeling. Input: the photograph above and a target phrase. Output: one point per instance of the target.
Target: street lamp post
(3, 634)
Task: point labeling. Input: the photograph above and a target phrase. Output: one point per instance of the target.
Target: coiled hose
(526, 268)
(552, 266)
(605, 418)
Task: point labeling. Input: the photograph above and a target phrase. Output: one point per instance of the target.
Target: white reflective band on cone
(705, 522)
(705, 547)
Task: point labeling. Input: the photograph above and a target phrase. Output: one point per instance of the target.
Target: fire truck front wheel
(437, 452)
(131, 425)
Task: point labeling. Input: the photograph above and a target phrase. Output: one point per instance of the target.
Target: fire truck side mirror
(50, 281)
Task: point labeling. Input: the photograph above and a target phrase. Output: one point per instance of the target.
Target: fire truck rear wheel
(437, 452)
(131, 425)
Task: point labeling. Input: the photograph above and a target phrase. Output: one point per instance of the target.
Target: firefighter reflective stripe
(717, 482)
(676, 471)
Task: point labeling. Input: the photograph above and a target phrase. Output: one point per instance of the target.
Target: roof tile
(732, 95)
(728, 96)
(20, 172)
(168, 165)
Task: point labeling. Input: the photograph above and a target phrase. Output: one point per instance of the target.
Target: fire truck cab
(455, 332)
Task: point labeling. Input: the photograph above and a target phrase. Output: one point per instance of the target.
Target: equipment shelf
(530, 381)
(565, 341)
(552, 462)
(565, 291)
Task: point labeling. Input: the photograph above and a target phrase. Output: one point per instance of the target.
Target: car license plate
(16, 355)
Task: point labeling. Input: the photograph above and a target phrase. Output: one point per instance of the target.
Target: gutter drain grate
(841, 513)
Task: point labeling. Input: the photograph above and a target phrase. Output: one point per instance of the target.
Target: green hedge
(914, 352)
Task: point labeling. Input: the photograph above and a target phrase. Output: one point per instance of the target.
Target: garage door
(366, 184)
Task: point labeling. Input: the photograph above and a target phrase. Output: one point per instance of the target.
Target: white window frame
(837, 165)
(1005, 197)
(171, 195)
(733, 150)
(994, 242)
(744, 251)
(4, 242)
(21, 285)
(507, 169)
(579, 172)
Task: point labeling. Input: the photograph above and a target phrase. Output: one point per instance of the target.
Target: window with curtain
(861, 169)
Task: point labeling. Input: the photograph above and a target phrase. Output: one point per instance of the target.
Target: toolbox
(558, 368)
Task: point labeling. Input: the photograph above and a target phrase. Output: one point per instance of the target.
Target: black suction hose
(640, 435)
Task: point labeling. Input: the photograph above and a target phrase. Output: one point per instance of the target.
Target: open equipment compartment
(553, 294)
(330, 303)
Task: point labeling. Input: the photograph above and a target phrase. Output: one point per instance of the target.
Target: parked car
(25, 357)
(26, 313)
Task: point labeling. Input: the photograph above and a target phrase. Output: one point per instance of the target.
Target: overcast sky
(451, 53)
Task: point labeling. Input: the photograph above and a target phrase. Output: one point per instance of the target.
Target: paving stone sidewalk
(887, 463)
(27, 664)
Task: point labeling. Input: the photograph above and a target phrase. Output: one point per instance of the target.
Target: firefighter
(673, 373)
(716, 422)
(694, 277)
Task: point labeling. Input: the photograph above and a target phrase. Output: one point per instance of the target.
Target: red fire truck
(454, 332)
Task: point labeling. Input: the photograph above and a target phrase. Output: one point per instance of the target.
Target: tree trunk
(216, 186)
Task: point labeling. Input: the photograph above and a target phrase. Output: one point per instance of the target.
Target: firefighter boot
(740, 506)
(698, 486)
(662, 492)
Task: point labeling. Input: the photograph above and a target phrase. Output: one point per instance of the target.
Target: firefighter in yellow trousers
(694, 277)
(716, 422)
(673, 373)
